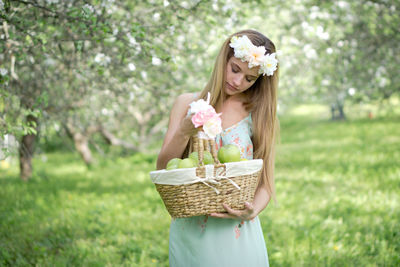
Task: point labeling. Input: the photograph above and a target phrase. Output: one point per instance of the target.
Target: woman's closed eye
(236, 71)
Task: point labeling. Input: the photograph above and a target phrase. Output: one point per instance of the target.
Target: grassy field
(338, 189)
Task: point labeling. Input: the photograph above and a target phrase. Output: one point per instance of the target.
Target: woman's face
(239, 77)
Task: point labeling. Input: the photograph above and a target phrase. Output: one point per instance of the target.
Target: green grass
(338, 186)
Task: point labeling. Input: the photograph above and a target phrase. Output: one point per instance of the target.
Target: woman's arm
(261, 199)
(180, 128)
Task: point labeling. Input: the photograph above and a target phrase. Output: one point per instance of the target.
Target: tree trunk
(341, 116)
(339, 108)
(82, 145)
(26, 150)
(81, 142)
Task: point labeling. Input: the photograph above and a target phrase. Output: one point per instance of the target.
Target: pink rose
(203, 116)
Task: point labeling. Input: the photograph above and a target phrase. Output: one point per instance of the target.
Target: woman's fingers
(187, 127)
(235, 214)
(249, 206)
(230, 211)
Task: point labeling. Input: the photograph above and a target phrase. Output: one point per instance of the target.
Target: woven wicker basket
(196, 199)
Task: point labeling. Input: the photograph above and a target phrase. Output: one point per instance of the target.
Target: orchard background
(85, 92)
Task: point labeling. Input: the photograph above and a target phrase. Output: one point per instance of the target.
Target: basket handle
(201, 145)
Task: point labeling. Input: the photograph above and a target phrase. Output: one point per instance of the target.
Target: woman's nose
(237, 80)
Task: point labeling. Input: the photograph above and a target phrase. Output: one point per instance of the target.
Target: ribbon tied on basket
(201, 142)
(214, 180)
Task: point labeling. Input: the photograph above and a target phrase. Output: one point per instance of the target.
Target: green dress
(209, 241)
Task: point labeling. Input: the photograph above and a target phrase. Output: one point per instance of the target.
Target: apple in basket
(187, 163)
(229, 153)
(173, 164)
(207, 157)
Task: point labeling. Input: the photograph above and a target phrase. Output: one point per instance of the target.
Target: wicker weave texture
(198, 199)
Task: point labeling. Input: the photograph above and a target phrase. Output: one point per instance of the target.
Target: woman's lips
(231, 87)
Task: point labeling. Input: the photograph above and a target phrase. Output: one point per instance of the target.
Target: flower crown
(246, 51)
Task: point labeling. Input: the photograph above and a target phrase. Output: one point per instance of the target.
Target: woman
(243, 86)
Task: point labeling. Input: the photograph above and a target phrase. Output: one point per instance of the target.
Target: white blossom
(156, 16)
(131, 67)
(49, 2)
(172, 29)
(311, 53)
(325, 82)
(156, 61)
(321, 33)
(228, 6)
(305, 25)
(49, 61)
(144, 75)
(343, 4)
(166, 3)
(88, 8)
(107, 3)
(102, 59)
(134, 43)
(185, 4)
(56, 126)
(383, 82)
(3, 72)
(131, 96)
(352, 91)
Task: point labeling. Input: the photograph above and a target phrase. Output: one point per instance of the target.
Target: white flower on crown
(269, 64)
(254, 55)
(241, 46)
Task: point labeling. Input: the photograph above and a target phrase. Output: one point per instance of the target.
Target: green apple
(194, 156)
(187, 163)
(173, 163)
(229, 153)
(207, 157)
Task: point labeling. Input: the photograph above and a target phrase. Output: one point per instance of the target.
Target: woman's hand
(187, 128)
(247, 214)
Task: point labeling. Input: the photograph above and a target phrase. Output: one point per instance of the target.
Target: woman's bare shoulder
(182, 102)
(185, 98)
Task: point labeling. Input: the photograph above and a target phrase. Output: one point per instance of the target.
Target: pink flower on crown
(256, 56)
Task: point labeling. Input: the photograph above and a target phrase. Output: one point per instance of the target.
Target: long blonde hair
(261, 101)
